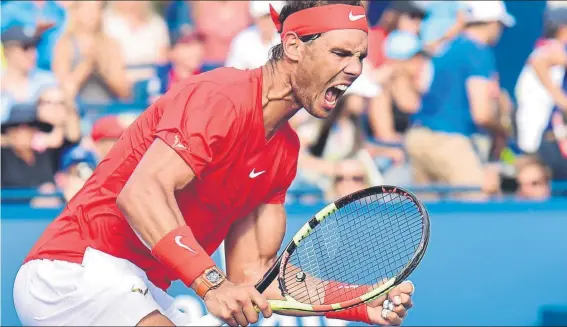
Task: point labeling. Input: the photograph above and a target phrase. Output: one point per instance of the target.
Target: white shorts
(102, 291)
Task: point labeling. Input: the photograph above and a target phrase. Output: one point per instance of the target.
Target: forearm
(151, 211)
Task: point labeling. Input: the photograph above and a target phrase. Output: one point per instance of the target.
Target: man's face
(188, 55)
(21, 57)
(21, 137)
(326, 67)
(533, 184)
(349, 177)
(496, 29)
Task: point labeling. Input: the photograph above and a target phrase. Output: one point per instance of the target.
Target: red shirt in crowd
(214, 121)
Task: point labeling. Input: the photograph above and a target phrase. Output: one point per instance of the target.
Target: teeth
(342, 87)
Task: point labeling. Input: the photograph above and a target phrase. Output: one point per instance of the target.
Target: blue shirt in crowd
(28, 14)
(445, 106)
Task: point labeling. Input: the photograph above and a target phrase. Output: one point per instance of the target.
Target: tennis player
(211, 160)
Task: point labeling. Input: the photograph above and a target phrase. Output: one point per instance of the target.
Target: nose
(354, 67)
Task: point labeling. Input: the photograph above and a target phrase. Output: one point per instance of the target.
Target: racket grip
(208, 320)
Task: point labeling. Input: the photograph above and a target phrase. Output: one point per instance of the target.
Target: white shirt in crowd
(248, 51)
(141, 45)
(535, 104)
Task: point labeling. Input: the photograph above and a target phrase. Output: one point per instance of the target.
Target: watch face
(213, 276)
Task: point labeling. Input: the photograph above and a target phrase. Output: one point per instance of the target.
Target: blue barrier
(487, 264)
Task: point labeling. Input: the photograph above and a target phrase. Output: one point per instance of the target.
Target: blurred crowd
(428, 108)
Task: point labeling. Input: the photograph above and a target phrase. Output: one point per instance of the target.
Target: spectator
(250, 48)
(400, 15)
(21, 79)
(141, 34)
(541, 117)
(400, 91)
(535, 99)
(399, 97)
(349, 175)
(233, 16)
(37, 15)
(55, 108)
(186, 58)
(533, 179)
(88, 63)
(77, 165)
(23, 165)
(461, 98)
(107, 130)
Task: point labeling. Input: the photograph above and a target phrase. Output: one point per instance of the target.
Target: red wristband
(180, 251)
(336, 292)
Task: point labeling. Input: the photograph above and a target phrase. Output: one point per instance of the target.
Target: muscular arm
(148, 200)
(252, 246)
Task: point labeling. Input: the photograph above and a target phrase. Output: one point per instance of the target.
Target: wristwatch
(210, 279)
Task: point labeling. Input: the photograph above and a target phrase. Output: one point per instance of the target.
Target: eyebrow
(349, 52)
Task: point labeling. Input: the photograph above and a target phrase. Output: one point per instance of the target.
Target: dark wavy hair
(277, 52)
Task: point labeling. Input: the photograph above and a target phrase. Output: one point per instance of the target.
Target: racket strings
(363, 243)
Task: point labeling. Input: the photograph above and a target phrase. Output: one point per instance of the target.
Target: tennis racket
(353, 251)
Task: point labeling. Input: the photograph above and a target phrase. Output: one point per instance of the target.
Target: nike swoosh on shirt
(254, 175)
(354, 18)
(178, 242)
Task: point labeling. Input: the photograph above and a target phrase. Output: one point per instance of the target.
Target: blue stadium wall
(488, 264)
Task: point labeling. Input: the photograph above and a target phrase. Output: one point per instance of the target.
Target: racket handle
(208, 320)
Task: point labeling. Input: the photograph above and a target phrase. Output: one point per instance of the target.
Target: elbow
(130, 197)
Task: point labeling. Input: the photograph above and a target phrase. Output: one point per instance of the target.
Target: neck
(477, 34)
(278, 101)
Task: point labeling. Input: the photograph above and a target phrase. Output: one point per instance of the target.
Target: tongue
(331, 95)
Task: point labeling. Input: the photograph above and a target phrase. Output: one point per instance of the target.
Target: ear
(292, 46)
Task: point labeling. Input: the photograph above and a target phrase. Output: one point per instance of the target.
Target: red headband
(322, 19)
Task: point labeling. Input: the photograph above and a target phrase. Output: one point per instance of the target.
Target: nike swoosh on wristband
(254, 174)
(178, 242)
(354, 18)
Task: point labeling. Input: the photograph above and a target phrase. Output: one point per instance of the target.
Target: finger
(406, 287)
(240, 318)
(392, 318)
(406, 300)
(400, 310)
(260, 301)
(250, 313)
(231, 322)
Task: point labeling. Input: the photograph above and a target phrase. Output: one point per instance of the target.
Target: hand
(391, 309)
(235, 304)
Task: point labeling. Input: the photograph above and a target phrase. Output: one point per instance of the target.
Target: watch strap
(204, 285)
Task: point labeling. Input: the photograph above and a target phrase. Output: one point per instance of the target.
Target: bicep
(161, 164)
(253, 243)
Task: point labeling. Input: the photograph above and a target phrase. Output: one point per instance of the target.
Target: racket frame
(274, 272)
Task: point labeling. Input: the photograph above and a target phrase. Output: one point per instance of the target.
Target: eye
(341, 54)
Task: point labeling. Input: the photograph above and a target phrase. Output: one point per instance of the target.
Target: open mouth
(334, 93)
